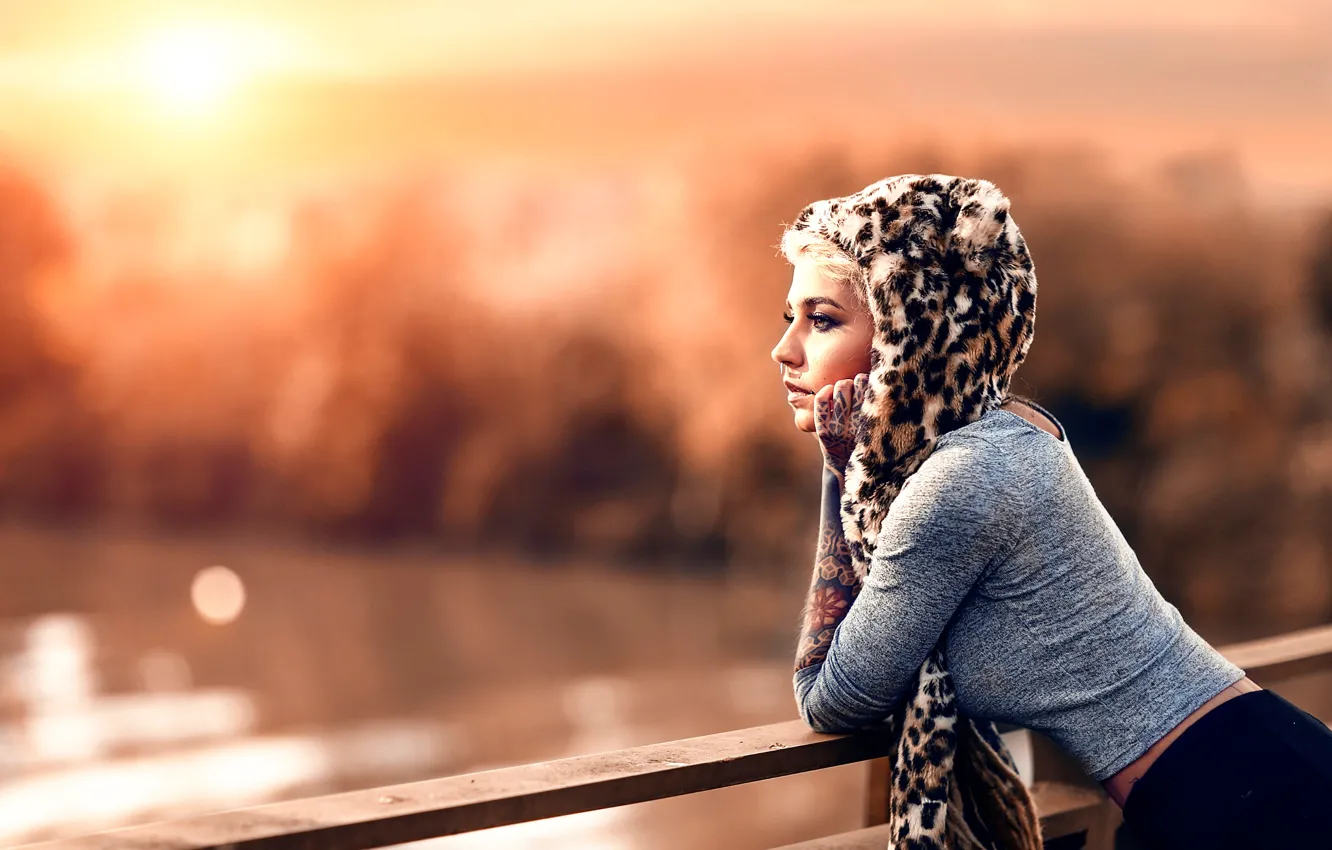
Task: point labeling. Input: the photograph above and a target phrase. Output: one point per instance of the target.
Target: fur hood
(952, 292)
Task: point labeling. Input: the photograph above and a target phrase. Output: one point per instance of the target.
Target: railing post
(876, 793)
(1102, 835)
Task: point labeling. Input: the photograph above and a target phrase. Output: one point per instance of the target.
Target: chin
(804, 421)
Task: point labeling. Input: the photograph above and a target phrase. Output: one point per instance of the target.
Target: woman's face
(828, 338)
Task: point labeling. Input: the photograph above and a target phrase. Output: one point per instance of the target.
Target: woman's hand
(834, 587)
(837, 420)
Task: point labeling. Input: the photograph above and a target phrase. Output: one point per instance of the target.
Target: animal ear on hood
(981, 220)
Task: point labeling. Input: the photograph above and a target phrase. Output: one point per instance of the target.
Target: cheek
(861, 350)
(849, 357)
(841, 360)
(819, 359)
(858, 357)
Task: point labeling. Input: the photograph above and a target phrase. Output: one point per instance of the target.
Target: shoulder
(962, 508)
(993, 471)
(998, 450)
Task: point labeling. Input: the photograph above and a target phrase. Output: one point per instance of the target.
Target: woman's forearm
(834, 585)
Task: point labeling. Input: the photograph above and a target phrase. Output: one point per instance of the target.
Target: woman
(966, 572)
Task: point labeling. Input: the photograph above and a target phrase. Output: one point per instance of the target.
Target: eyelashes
(820, 321)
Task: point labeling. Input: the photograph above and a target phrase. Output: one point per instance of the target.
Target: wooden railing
(1074, 812)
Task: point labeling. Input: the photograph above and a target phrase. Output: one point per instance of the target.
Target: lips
(794, 388)
(795, 392)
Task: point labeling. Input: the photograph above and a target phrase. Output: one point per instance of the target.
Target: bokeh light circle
(218, 595)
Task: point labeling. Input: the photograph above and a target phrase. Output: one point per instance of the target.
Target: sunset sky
(246, 86)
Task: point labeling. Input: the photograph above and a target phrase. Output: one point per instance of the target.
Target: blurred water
(347, 670)
(338, 671)
(77, 760)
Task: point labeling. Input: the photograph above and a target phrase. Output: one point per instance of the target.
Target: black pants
(1254, 772)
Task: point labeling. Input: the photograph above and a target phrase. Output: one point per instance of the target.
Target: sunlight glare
(193, 69)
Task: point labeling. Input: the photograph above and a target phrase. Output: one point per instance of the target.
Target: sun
(194, 69)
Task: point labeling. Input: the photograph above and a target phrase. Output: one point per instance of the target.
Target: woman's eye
(820, 321)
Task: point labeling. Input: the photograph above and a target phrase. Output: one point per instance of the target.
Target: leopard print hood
(952, 292)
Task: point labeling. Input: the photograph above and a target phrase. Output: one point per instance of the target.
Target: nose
(786, 352)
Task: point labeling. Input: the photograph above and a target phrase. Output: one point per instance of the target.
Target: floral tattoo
(834, 586)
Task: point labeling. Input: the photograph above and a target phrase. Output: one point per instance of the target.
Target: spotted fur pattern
(952, 293)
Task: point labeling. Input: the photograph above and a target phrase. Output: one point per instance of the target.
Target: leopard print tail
(996, 791)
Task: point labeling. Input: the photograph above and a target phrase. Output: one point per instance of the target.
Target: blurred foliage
(505, 379)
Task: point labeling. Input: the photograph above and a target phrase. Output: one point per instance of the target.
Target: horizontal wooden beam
(438, 807)
(1283, 655)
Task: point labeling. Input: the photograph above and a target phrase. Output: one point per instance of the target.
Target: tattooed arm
(834, 585)
(953, 518)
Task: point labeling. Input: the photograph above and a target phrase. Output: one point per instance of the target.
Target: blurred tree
(396, 381)
(1320, 272)
(50, 462)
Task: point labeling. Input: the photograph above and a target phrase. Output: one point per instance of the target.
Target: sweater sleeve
(946, 526)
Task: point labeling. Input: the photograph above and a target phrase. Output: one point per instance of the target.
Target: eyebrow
(816, 300)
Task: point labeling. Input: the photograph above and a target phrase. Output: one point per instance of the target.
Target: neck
(1035, 417)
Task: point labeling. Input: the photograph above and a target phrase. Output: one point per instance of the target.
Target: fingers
(838, 421)
(842, 403)
(823, 409)
(835, 405)
(829, 404)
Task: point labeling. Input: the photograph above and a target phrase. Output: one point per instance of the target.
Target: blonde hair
(832, 261)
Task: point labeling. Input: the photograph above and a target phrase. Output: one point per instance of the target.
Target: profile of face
(827, 339)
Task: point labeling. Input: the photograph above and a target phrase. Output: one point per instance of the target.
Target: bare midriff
(1119, 785)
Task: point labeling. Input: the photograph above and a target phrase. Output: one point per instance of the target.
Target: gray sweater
(999, 543)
